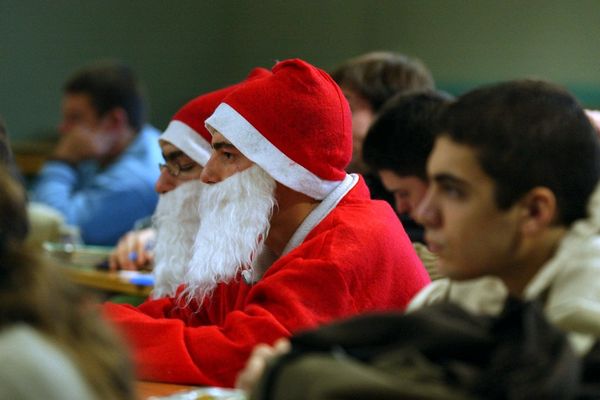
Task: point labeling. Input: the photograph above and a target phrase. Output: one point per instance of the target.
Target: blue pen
(142, 280)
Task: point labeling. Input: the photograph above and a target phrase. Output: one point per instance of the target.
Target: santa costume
(349, 256)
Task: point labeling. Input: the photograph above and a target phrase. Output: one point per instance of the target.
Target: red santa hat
(295, 124)
(187, 131)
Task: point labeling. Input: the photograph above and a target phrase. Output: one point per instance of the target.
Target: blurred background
(183, 48)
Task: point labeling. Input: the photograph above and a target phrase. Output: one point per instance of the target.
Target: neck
(538, 253)
(292, 208)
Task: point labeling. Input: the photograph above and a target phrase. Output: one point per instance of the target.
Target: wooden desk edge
(145, 390)
(107, 281)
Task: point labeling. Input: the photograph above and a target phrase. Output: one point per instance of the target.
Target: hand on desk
(256, 364)
(134, 250)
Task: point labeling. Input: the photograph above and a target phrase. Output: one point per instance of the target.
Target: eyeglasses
(173, 169)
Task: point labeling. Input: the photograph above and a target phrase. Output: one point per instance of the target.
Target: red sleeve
(302, 295)
(166, 350)
(358, 259)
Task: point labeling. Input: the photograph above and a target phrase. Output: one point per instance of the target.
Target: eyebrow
(223, 145)
(445, 178)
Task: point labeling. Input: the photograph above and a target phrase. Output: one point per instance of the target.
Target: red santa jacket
(357, 259)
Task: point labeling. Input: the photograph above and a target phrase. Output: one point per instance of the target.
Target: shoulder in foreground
(481, 296)
(39, 369)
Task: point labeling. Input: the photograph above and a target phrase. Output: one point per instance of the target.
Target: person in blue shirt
(102, 171)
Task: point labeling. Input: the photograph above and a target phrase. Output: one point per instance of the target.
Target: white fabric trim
(257, 148)
(187, 140)
(320, 212)
(266, 258)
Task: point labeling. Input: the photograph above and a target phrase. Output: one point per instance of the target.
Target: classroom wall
(183, 48)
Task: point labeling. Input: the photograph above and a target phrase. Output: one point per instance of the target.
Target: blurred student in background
(368, 81)
(102, 172)
(397, 146)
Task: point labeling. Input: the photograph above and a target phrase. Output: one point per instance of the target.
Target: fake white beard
(235, 215)
(176, 220)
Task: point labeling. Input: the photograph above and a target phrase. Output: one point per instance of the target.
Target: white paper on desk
(207, 393)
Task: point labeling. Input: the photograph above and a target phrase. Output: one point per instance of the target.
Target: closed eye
(187, 167)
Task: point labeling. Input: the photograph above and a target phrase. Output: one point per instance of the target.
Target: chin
(450, 270)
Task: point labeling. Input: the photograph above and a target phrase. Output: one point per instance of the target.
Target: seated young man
(511, 181)
(101, 173)
(287, 240)
(185, 146)
(512, 207)
(396, 148)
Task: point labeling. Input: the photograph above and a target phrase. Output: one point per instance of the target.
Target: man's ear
(539, 210)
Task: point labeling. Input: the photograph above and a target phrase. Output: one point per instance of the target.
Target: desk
(147, 390)
(144, 390)
(105, 281)
(78, 263)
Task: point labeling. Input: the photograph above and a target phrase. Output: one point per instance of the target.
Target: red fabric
(308, 119)
(357, 259)
(196, 111)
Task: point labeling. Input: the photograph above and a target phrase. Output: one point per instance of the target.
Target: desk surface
(79, 263)
(150, 390)
(105, 281)
(145, 390)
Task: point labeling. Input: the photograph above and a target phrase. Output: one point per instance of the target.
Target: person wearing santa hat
(287, 240)
(186, 131)
(185, 147)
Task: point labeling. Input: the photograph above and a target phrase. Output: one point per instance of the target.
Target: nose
(211, 173)
(165, 182)
(427, 213)
(401, 204)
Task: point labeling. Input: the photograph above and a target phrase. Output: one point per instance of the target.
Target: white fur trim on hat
(247, 139)
(187, 140)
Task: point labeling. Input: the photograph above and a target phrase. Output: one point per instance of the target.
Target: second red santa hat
(187, 131)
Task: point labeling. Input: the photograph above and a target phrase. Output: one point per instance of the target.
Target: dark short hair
(529, 133)
(402, 136)
(377, 76)
(110, 84)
